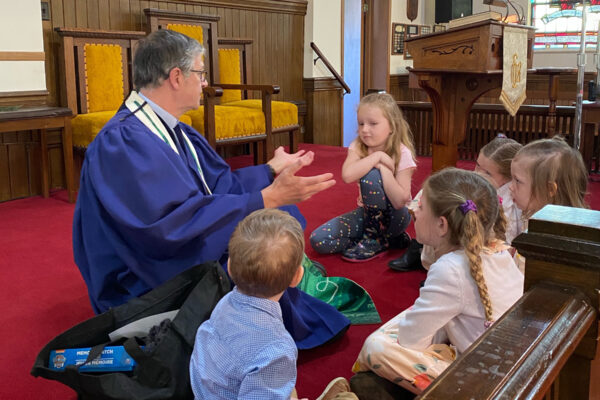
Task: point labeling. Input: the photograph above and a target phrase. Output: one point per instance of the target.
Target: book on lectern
(471, 19)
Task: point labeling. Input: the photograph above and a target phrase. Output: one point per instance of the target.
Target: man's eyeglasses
(200, 72)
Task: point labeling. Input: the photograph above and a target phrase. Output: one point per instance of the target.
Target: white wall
(562, 58)
(21, 31)
(397, 62)
(323, 25)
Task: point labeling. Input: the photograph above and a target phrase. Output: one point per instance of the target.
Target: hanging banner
(514, 72)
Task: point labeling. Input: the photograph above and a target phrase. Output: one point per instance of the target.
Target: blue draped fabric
(142, 216)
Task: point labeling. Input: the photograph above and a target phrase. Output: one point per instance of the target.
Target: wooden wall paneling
(69, 16)
(261, 45)
(137, 12)
(228, 22)
(56, 166)
(239, 22)
(17, 160)
(114, 12)
(33, 168)
(298, 53)
(324, 111)
(125, 15)
(93, 20)
(4, 173)
(256, 54)
(81, 14)
(103, 15)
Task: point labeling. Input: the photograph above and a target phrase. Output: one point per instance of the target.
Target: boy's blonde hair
(265, 251)
(446, 191)
(400, 134)
(501, 150)
(554, 161)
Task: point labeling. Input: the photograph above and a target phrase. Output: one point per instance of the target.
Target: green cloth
(345, 295)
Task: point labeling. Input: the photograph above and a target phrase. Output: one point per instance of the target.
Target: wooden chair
(97, 77)
(234, 118)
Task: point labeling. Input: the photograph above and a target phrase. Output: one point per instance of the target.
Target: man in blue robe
(156, 199)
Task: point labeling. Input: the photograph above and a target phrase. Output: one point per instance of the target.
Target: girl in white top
(472, 283)
(382, 160)
(493, 163)
(547, 171)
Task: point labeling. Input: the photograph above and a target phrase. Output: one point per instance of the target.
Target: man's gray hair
(160, 52)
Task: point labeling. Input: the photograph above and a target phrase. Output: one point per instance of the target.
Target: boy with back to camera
(244, 351)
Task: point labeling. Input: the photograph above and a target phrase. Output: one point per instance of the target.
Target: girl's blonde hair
(446, 191)
(400, 133)
(501, 150)
(553, 161)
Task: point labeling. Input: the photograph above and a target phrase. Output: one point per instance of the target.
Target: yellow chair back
(230, 72)
(193, 31)
(103, 77)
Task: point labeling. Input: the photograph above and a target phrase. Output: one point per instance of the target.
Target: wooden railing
(543, 347)
(486, 121)
(329, 66)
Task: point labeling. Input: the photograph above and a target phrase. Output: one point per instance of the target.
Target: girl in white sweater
(473, 281)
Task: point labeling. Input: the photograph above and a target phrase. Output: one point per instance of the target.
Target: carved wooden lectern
(455, 68)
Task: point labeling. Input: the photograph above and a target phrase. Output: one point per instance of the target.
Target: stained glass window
(558, 23)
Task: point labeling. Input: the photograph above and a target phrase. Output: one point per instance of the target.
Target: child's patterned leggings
(382, 354)
(376, 218)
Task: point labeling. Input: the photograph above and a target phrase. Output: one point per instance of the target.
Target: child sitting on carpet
(382, 160)
(547, 171)
(473, 281)
(493, 163)
(244, 350)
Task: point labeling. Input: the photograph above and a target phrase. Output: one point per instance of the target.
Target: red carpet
(43, 293)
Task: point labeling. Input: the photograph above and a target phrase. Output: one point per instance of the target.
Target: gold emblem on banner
(515, 71)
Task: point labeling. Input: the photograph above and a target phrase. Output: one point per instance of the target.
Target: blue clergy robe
(143, 215)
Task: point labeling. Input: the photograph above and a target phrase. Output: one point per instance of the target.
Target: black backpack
(163, 372)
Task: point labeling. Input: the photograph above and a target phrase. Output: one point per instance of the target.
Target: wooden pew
(544, 345)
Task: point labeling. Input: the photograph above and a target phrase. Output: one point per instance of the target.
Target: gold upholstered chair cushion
(231, 122)
(86, 126)
(282, 112)
(186, 119)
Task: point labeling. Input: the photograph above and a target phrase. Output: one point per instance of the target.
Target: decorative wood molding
(180, 15)
(278, 6)
(25, 93)
(22, 56)
(32, 97)
(100, 34)
(227, 40)
(320, 84)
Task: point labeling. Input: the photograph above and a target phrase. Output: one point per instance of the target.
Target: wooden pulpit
(455, 68)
